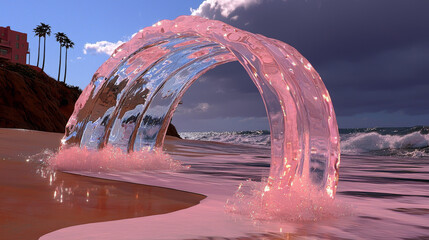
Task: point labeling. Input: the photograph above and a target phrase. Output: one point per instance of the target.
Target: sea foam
(111, 159)
(303, 202)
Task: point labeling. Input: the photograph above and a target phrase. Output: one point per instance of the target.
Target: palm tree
(38, 32)
(61, 38)
(46, 30)
(68, 44)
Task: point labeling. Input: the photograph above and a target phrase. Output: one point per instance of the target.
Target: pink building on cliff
(13, 45)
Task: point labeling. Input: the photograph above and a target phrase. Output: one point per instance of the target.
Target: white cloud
(202, 107)
(105, 47)
(78, 58)
(101, 47)
(226, 7)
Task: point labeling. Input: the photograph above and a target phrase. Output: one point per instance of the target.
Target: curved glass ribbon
(132, 96)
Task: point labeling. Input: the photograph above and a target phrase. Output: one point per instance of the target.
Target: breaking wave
(260, 137)
(398, 142)
(407, 141)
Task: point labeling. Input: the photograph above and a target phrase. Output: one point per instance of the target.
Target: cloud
(186, 123)
(104, 47)
(228, 91)
(101, 47)
(389, 81)
(203, 107)
(372, 62)
(199, 108)
(225, 7)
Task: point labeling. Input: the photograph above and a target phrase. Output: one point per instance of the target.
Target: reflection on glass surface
(132, 96)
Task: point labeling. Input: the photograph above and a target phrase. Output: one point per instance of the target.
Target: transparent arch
(132, 96)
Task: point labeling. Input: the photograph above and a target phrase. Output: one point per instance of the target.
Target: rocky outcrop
(171, 131)
(30, 99)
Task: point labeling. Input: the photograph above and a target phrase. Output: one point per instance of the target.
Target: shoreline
(34, 203)
(389, 192)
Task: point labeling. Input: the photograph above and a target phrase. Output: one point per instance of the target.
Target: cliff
(30, 99)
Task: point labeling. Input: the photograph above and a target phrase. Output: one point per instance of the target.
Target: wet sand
(34, 202)
(17, 144)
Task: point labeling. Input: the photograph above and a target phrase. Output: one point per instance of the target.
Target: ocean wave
(413, 144)
(410, 142)
(259, 137)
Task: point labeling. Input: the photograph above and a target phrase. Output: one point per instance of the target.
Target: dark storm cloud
(228, 91)
(372, 55)
(332, 29)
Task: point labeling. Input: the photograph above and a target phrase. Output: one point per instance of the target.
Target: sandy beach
(33, 203)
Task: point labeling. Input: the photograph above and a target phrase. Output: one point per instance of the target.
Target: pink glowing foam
(302, 203)
(111, 159)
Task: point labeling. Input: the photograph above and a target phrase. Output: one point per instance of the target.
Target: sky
(372, 55)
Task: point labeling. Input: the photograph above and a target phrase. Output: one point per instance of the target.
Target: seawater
(381, 196)
(403, 141)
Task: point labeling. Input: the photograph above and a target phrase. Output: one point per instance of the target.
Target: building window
(17, 37)
(16, 57)
(3, 51)
(17, 45)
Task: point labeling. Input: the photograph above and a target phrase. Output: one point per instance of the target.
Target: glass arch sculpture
(132, 96)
